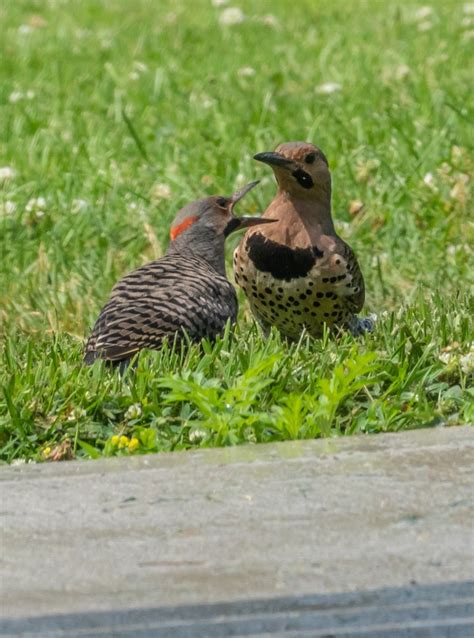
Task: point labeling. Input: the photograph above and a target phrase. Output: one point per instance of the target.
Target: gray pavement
(267, 532)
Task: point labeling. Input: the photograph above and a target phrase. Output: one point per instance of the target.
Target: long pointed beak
(237, 196)
(237, 223)
(274, 159)
(245, 222)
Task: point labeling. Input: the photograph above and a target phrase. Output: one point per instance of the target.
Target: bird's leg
(265, 327)
(123, 366)
(129, 365)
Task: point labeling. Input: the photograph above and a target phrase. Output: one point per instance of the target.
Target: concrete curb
(238, 524)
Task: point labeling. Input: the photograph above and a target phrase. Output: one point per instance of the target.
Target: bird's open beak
(237, 196)
(274, 159)
(236, 223)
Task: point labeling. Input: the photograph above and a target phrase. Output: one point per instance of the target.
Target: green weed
(114, 115)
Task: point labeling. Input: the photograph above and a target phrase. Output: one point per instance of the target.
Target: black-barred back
(163, 299)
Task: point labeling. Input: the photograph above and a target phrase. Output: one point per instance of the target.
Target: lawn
(113, 115)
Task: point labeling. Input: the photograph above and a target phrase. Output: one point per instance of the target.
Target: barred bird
(297, 273)
(186, 291)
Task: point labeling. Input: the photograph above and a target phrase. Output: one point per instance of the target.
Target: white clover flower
(219, 3)
(7, 173)
(468, 21)
(36, 204)
(468, 35)
(171, 17)
(468, 7)
(7, 208)
(446, 357)
(401, 71)
(425, 26)
(134, 411)
(207, 102)
(467, 362)
(161, 191)
(365, 168)
(24, 29)
(246, 72)
(15, 97)
(423, 12)
(270, 21)
(78, 205)
(231, 16)
(429, 181)
(196, 436)
(19, 461)
(381, 258)
(459, 191)
(76, 414)
(140, 67)
(452, 249)
(82, 33)
(328, 87)
(444, 171)
(344, 227)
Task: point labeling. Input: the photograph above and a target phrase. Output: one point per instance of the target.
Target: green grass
(118, 113)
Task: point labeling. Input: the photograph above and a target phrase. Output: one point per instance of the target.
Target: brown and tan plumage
(298, 273)
(186, 291)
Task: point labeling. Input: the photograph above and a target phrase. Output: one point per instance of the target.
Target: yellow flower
(133, 445)
(115, 440)
(46, 452)
(123, 441)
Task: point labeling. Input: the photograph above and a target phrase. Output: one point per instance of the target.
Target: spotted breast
(299, 288)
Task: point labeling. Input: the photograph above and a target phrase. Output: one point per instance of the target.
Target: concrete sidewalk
(276, 522)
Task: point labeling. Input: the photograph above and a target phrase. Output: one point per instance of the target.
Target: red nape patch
(177, 230)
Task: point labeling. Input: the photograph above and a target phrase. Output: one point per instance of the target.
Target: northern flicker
(297, 273)
(186, 291)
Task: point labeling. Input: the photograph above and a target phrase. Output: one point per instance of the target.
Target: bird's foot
(360, 325)
(264, 327)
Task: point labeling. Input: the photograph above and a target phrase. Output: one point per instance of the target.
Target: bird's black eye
(303, 178)
(309, 159)
(222, 202)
